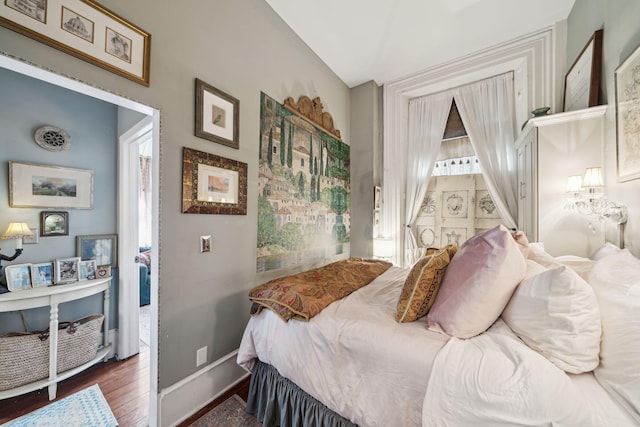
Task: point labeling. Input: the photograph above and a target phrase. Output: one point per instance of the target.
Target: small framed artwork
(66, 270)
(18, 277)
(205, 243)
(42, 186)
(582, 81)
(41, 274)
(217, 115)
(84, 29)
(32, 240)
(627, 84)
(103, 271)
(101, 248)
(54, 223)
(88, 269)
(212, 184)
(377, 198)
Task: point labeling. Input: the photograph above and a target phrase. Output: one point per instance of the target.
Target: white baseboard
(183, 399)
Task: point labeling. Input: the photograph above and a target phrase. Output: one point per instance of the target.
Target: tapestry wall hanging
(303, 185)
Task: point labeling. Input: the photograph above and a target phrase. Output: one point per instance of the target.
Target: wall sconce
(16, 230)
(586, 196)
(382, 248)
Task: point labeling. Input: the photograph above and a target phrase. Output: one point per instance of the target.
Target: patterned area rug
(230, 413)
(86, 408)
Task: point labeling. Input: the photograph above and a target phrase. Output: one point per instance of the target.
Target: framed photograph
(377, 198)
(18, 276)
(582, 81)
(103, 271)
(41, 274)
(84, 29)
(627, 85)
(42, 186)
(217, 115)
(88, 269)
(54, 223)
(212, 184)
(32, 240)
(66, 270)
(101, 248)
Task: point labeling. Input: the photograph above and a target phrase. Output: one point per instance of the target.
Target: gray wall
(25, 105)
(241, 47)
(621, 36)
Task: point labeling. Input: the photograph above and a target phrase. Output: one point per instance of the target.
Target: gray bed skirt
(276, 401)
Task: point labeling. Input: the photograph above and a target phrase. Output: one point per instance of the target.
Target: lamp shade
(593, 178)
(574, 184)
(17, 230)
(382, 248)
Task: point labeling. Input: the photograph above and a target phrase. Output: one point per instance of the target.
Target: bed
(487, 341)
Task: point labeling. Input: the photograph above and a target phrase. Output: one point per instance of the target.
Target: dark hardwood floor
(124, 384)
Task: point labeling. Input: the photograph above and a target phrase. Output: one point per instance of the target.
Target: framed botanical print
(627, 83)
(217, 115)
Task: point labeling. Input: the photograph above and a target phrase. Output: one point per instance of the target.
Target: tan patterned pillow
(422, 284)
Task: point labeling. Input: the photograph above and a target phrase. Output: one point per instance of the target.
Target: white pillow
(605, 250)
(616, 281)
(556, 313)
(579, 264)
(477, 284)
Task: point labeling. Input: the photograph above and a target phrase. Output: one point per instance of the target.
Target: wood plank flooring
(124, 384)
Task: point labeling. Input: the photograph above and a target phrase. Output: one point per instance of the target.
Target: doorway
(152, 121)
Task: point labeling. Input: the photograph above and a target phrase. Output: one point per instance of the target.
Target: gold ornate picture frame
(212, 184)
(84, 29)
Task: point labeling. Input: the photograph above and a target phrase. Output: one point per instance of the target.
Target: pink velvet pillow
(478, 284)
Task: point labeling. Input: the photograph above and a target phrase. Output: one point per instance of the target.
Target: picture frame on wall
(41, 274)
(627, 88)
(582, 81)
(86, 30)
(66, 270)
(212, 184)
(217, 115)
(54, 223)
(43, 186)
(18, 277)
(101, 248)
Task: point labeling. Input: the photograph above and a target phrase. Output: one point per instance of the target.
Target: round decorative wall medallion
(52, 138)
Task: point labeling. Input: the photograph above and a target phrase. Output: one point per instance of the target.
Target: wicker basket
(24, 356)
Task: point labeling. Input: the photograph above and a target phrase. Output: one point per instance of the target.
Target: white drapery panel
(427, 120)
(487, 111)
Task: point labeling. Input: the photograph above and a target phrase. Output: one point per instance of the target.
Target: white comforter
(353, 356)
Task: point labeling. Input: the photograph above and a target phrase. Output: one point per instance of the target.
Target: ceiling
(384, 40)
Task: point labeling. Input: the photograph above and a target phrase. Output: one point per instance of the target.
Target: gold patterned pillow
(422, 284)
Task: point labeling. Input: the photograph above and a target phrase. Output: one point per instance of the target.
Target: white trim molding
(532, 59)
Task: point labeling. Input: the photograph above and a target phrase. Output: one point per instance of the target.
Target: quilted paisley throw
(301, 296)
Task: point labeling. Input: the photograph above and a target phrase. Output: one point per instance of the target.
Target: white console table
(52, 296)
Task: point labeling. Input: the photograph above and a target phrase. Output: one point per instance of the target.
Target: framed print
(18, 277)
(43, 186)
(84, 29)
(54, 223)
(582, 81)
(627, 85)
(41, 274)
(66, 270)
(217, 115)
(88, 270)
(212, 184)
(101, 248)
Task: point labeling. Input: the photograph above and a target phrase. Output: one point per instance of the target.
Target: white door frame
(39, 73)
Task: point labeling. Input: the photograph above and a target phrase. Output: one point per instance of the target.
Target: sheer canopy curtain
(427, 120)
(487, 110)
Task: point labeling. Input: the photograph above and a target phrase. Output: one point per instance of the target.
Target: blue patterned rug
(86, 408)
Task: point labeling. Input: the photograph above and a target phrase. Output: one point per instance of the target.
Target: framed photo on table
(217, 115)
(66, 270)
(212, 184)
(41, 274)
(627, 84)
(84, 29)
(101, 248)
(582, 81)
(18, 277)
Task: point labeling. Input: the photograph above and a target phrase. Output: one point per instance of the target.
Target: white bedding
(353, 356)
(495, 379)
